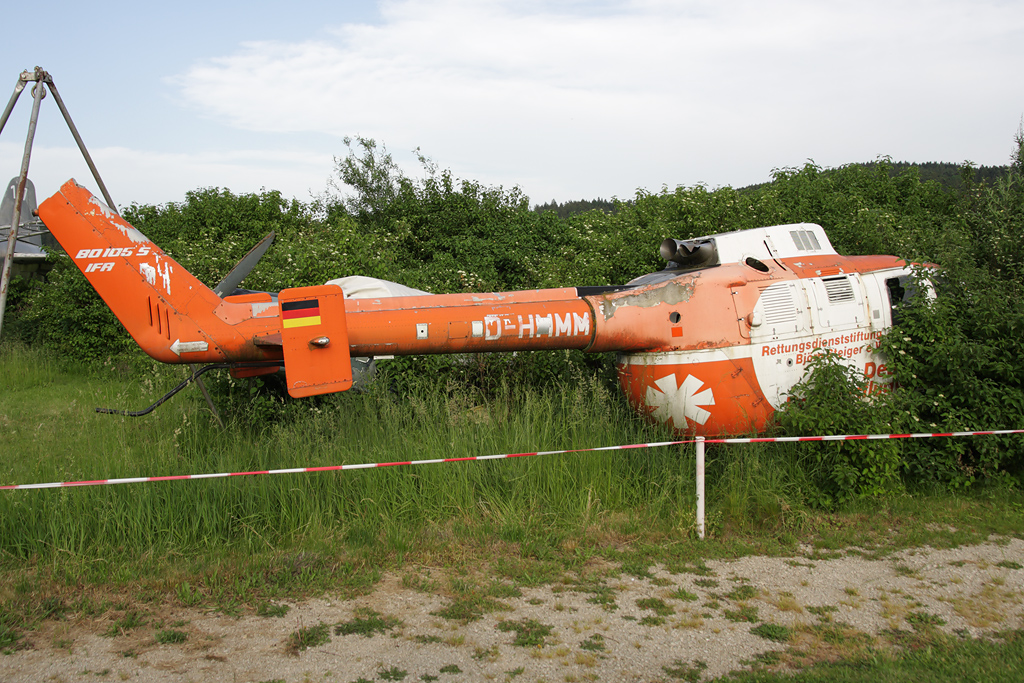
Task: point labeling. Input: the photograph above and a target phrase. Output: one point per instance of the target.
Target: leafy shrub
(832, 400)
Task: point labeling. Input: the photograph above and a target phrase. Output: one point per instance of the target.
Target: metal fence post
(700, 487)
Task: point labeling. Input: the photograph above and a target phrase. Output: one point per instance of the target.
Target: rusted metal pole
(81, 144)
(5, 280)
(206, 395)
(700, 487)
(19, 86)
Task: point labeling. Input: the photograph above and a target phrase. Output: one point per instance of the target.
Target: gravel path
(632, 629)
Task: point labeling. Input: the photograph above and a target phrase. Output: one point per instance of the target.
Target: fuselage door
(837, 303)
(780, 341)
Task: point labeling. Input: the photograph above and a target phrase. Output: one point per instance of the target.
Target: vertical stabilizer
(160, 303)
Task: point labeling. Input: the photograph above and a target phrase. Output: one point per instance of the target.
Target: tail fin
(158, 301)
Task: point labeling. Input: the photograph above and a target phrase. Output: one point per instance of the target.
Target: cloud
(583, 98)
(634, 94)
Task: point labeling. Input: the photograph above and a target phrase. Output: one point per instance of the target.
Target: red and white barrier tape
(368, 465)
(859, 437)
(333, 468)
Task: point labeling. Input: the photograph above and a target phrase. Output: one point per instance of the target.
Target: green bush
(832, 400)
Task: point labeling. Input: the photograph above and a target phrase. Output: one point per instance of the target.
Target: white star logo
(680, 402)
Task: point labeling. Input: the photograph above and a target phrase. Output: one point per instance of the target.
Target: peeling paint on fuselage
(148, 272)
(671, 293)
(127, 230)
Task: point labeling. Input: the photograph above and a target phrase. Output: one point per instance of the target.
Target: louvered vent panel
(778, 305)
(839, 290)
(805, 240)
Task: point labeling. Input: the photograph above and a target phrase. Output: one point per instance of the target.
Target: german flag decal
(300, 313)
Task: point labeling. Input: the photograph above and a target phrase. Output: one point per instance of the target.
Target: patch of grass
(683, 594)
(786, 602)
(638, 567)
(131, 620)
(919, 619)
(427, 640)
(503, 590)
(529, 632)
(742, 592)
(769, 658)
(656, 605)
(595, 643)
(776, 632)
(935, 657)
(743, 613)
(450, 669)
(171, 637)
(418, 582)
(822, 610)
(904, 570)
(307, 637)
(600, 595)
(486, 654)
(269, 609)
(9, 634)
(392, 674)
(366, 623)
(470, 608)
(650, 620)
(690, 620)
(697, 567)
(1009, 564)
(527, 571)
(684, 671)
(187, 595)
(839, 634)
(705, 583)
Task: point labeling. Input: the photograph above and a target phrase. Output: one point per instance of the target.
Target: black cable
(188, 380)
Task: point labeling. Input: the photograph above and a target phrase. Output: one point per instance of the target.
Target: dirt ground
(659, 628)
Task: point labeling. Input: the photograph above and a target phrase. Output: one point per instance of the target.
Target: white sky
(567, 99)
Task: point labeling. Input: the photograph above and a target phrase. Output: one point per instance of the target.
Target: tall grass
(542, 506)
(54, 435)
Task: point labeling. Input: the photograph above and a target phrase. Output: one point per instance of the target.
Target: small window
(897, 296)
(756, 265)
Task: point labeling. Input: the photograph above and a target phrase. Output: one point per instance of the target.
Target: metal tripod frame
(44, 82)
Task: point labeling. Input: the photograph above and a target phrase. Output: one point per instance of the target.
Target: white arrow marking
(179, 347)
(680, 402)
